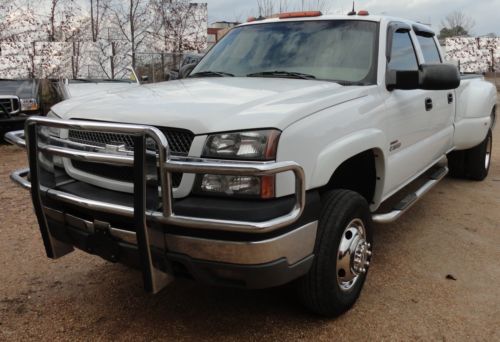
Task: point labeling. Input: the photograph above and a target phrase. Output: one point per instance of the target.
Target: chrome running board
(407, 202)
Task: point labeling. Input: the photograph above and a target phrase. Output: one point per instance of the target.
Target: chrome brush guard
(147, 238)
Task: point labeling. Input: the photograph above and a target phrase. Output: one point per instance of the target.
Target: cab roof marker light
(363, 13)
(302, 14)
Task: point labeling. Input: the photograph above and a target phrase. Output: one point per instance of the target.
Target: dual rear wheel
(473, 163)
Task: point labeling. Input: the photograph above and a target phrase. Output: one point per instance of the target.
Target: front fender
(340, 150)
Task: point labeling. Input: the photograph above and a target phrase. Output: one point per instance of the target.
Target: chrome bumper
(146, 238)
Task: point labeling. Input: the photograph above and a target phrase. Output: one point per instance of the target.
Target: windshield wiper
(280, 73)
(350, 83)
(211, 74)
(84, 80)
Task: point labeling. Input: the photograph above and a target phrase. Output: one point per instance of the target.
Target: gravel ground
(454, 232)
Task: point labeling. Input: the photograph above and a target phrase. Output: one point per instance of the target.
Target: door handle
(428, 104)
(450, 98)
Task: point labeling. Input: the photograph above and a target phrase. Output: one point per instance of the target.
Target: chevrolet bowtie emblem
(116, 148)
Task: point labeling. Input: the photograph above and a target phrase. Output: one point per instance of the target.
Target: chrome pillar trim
(19, 177)
(16, 138)
(294, 246)
(392, 216)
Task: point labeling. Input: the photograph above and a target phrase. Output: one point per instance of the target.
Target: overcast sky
(486, 13)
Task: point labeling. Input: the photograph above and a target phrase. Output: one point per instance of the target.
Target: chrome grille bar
(170, 164)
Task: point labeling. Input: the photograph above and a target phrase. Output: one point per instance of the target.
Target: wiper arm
(84, 80)
(280, 73)
(211, 74)
(350, 83)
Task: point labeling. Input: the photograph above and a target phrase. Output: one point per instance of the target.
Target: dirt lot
(454, 231)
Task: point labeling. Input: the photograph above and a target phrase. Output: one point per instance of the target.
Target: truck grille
(10, 104)
(179, 142)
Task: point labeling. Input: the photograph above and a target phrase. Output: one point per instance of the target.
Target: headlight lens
(252, 145)
(29, 105)
(260, 145)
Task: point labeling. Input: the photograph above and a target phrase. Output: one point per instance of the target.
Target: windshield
(343, 51)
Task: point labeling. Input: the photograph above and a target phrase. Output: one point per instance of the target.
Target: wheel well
(494, 117)
(358, 173)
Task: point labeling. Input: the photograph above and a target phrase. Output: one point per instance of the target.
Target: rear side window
(403, 57)
(429, 49)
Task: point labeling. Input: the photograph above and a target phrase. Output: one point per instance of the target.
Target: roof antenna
(353, 12)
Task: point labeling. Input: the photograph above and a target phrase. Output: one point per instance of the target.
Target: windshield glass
(334, 50)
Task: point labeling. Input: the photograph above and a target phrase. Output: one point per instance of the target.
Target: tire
(320, 290)
(478, 159)
(456, 164)
(474, 163)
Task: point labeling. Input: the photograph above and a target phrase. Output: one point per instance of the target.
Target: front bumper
(154, 240)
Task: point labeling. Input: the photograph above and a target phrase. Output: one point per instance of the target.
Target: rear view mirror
(429, 77)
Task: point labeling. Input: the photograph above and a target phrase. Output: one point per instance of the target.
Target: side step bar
(407, 202)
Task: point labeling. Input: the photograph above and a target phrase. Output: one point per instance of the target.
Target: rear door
(443, 101)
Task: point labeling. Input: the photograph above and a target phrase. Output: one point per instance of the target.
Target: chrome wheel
(354, 254)
(487, 158)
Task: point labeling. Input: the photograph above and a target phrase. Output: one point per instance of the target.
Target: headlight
(258, 145)
(29, 105)
(252, 145)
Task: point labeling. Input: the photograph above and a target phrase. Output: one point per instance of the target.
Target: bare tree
(98, 12)
(63, 18)
(180, 25)
(133, 18)
(458, 19)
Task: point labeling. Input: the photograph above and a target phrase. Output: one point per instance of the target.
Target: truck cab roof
(373, 18)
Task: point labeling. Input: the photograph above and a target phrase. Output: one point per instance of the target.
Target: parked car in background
(19, 99)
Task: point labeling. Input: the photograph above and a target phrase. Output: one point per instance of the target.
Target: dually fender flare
(341, 150)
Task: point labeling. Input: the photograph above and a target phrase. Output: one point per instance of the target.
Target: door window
(403, 57)
(429, 49)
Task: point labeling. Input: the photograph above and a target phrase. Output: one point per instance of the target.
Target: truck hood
(205, 105)
(96, 88)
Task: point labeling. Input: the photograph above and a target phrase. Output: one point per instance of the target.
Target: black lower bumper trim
(272, 274)
(260, 276)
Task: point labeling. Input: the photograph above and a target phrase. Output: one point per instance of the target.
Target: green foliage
(453, 32)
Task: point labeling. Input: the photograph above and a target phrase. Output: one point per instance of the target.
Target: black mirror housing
(429, 77)
(439, 77)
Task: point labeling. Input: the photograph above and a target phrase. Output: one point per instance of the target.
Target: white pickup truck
(269, 163)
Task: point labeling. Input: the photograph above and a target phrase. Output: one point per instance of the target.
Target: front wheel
(342, 255)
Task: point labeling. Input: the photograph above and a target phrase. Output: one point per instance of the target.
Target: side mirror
(439, 77)
(186, 70)
(429, 77)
